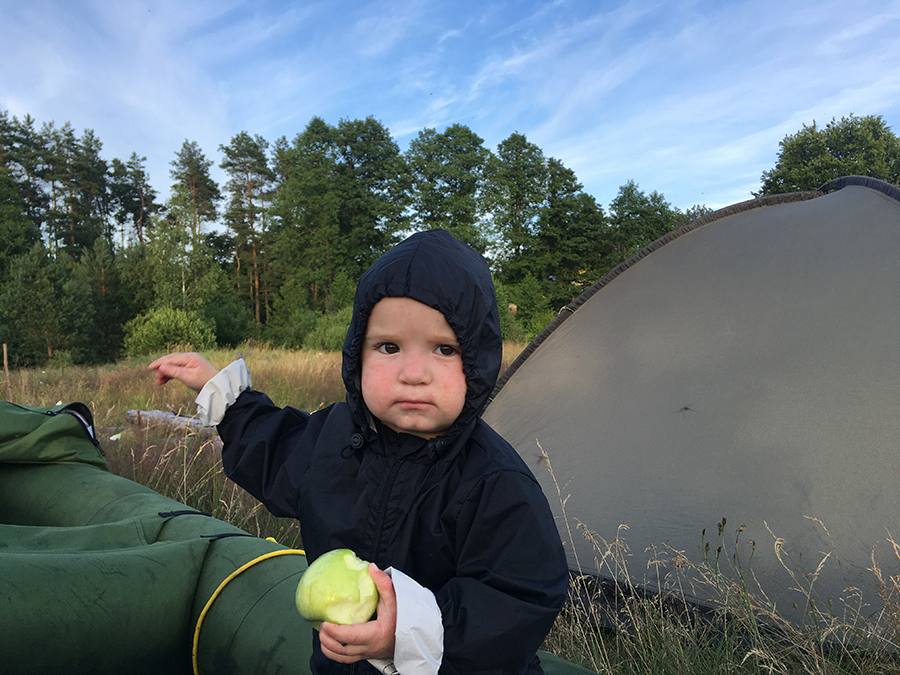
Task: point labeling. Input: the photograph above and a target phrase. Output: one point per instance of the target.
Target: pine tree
(17, 232)
(639, 219)
(572, 237)
(342, 198)
(97, 276)
(250, 177)
(133, 198)
(79, 197)
(194, 194)
(41, 312)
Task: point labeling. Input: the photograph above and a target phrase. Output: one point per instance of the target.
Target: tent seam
(572, 307)
(876, 184)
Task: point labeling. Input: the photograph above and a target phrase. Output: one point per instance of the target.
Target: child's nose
(414, 370)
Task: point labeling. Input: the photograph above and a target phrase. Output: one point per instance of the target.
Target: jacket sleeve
(221, 391)
(512, 578)
(263, 449)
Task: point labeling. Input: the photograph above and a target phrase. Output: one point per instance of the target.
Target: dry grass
(187, 466)
(615, 628)
(629, 633)
(181, 464)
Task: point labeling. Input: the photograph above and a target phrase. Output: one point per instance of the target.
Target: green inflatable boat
(99, 574)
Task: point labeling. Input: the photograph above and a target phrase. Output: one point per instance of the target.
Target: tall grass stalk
(611, 626)
(630, 632)
(178, 463)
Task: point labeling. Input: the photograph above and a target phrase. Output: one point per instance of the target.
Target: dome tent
(745, 366)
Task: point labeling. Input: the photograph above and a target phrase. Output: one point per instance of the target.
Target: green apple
(337, 588)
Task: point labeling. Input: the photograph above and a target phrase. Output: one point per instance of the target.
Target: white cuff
(419, 638)
(221, 391)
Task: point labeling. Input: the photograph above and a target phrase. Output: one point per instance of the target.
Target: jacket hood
(439, 271)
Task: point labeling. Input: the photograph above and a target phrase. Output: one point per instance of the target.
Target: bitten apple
(337, 588)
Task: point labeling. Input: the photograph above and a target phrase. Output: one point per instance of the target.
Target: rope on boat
(229, 578)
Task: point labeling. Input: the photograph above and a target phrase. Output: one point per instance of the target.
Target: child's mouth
(414, 405)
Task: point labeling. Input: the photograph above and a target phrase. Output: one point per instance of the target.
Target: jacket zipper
(382, 511)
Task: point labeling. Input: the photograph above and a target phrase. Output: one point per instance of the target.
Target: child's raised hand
(371, 640)
(187, 367)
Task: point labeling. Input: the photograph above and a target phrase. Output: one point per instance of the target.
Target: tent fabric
(742, 367)
(569, 309)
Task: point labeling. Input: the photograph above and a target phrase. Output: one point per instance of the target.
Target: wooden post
(6, 372)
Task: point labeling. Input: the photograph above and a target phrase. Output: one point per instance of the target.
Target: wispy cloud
(385, 27)
(688, 98)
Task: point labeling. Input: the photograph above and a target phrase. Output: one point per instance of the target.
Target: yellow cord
(270, 554)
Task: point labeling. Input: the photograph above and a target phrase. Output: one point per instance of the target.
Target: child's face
(412, 375)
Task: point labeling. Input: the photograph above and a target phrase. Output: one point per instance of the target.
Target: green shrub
(232, 321)
(290, 329)
(164, 328)
(340, 292)
(328, 335)
(537, 322)
(514, 325)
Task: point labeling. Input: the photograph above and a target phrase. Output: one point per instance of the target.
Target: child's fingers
(159, 363)
(170, 372)
(370, 640)
(191, 369)
(341, 643)
(161, 379)
(175, 359)
(387, 597)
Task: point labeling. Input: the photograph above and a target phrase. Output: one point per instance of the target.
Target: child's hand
(372, 640)
(189, 368)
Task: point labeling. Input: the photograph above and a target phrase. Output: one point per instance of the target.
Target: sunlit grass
(181, 463)
(646, 633)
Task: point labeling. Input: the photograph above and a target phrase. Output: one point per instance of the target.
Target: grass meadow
(646, 634)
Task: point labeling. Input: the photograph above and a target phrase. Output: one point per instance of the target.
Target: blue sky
(687, 98)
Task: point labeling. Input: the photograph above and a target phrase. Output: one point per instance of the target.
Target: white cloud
(688, 98)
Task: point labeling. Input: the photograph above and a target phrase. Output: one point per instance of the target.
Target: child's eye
(447, 350)
(387, 348)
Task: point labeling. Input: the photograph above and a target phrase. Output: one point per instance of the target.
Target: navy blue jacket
(460, 513)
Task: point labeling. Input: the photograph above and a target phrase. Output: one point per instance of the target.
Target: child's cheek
(374, 385)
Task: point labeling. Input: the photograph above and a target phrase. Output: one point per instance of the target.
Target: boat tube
(99, 574)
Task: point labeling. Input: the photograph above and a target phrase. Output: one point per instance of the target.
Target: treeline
(94, 265)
